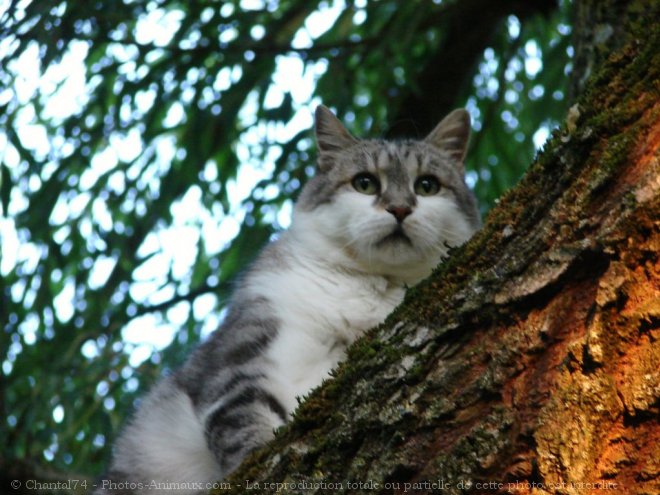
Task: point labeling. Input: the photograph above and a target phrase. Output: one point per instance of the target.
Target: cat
(377, 217)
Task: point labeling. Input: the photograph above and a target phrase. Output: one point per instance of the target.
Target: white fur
(166, 444)
(353, 224)
(322, 309)
(343, 283)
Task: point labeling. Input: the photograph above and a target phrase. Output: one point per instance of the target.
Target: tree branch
(468, 32)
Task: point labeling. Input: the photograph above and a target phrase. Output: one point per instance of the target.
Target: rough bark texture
(528, 363)
(597, 30)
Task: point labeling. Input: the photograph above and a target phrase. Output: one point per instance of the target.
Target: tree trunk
(467, 33)
(528, 363)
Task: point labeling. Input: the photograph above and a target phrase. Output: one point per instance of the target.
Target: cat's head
(390, 207)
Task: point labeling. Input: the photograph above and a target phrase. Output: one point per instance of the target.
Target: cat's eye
(427, 185)
(366, 184)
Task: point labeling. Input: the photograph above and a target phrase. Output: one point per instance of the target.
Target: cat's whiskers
(428, 232)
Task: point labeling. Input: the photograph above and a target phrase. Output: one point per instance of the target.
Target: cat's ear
(331, 135)
(452, 134)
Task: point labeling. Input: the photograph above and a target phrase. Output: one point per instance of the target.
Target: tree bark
(528, 362)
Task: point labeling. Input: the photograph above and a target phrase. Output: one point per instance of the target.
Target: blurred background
(149, 148)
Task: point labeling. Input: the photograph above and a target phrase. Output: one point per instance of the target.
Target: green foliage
(122, 194)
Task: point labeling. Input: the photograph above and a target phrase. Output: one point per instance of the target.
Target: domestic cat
(377, 217)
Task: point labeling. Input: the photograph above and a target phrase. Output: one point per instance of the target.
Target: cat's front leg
(242, 423)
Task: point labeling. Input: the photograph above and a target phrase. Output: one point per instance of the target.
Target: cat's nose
(399, 212)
